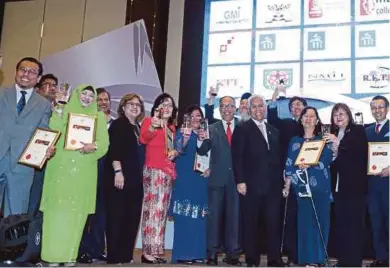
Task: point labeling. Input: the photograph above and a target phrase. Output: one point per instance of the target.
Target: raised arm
(148, 132)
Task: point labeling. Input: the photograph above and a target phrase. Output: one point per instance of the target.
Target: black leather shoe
(102, 257)
(277, 263)
(184, 261)
(212, 262)
(84, 258)
(160, 260)
(145, 260)
(379, 264)
(234, 262)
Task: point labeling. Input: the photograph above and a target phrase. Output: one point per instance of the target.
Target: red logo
(28, 156)
(315, 9)
(373, 167)
(302, 159)
(366, 7)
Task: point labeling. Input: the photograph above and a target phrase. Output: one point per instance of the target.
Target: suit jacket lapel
(11, 99)
(221, 130)
(257, 131)
(385, 128)
(32, 102)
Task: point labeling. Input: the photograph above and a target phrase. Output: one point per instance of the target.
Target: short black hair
(101, 90)
(380, 97)
(194, 107)
(302, 100)
(34, 60)
(45, 77)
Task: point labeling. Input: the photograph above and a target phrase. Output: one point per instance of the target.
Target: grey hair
(256, 96)
(231, 98)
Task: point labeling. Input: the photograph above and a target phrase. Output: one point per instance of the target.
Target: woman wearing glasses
(157, 134)
(124, 180)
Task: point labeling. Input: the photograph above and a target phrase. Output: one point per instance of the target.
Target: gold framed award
(34, 155)
(378, 157)
(310, 152)
(80, 129)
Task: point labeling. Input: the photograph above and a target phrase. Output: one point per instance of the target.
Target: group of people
(139, 172)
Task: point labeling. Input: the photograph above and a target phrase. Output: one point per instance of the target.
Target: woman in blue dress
(188, 205)
(312, 186)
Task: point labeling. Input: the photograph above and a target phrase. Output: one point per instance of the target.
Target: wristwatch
(118, 171)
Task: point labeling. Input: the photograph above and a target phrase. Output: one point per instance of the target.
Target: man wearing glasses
(47, 87)
(22, 110)
(378, 185)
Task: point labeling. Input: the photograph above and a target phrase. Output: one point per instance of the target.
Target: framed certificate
(34, 155)
(202, 162)
(81, 128)
(378, 157)
(169, 140)
(310, 152)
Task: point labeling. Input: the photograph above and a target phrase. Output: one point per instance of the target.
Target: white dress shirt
(19, 95)
(262, 128)
(224, 123)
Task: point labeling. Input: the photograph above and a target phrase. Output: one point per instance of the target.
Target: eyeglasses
(133, 105)
(257, 107)
(339, 115)
(227, 106)
(167, 105)
(28, 71)
(49, 85)
(379, 107)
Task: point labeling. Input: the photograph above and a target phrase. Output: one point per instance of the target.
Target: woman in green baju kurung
(69, 190)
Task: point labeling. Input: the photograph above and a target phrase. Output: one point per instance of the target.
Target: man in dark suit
(288, 128)
(257, 170)
(223, 216)
(378, 185)
(22, 110)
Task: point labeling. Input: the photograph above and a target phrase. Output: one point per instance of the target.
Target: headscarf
(74, 105)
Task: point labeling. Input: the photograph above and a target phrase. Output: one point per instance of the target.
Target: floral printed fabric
(157, 195)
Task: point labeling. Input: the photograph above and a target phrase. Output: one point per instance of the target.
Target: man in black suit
(223, 216)
(257, 169)
(288, 128)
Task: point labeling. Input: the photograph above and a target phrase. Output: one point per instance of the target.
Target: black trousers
(123, 217)
(350, 221)
(290, 242)
(223, 222)
(257, 209)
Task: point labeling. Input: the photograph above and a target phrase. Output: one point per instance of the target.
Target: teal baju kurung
(70, 183)
(310, 246)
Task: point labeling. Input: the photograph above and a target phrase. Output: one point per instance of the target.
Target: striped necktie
(21, 102)
(377, 128)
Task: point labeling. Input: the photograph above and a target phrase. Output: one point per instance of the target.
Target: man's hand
(50, 152)
(241, 188)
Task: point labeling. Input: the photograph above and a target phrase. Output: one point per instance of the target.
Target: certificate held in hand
(34, 155)
(81, 129)
(378, 157)
(310, 152)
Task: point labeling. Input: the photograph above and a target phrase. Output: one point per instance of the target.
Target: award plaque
(310, 152)
(202, 162)
(378, 157)
(34, 155)
(81, 128)
(169, 140)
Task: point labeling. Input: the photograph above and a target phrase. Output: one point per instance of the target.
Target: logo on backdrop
(229, 85)
(224, 47)
(232, 16)
(315, 9)
(378, 78)
(326, 77)
(272, 77)
(316, 41)
(379, 7)
(279, 12)
(267, 42)
(367, 38)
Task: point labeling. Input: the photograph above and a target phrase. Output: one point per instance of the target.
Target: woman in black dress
(124, 180)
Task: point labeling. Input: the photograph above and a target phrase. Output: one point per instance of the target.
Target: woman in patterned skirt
(159, 171)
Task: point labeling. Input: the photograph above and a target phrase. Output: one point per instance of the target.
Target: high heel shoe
(145, 260)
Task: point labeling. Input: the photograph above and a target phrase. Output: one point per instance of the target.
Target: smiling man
(22, 110)
(104, 103)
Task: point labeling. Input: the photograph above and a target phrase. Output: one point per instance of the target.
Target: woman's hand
(303, 166)
(186, 132)
(172, 155)
(206, 173)
(330, 138)
(119, 180)
(87, 148)
(287, 185)
(156, 122)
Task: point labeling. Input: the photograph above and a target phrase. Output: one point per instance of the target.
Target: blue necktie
(21, 102)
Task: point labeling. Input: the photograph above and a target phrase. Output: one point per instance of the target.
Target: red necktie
(229, 133)
(377, 128)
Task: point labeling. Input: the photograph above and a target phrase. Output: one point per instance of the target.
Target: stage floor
(137, 261)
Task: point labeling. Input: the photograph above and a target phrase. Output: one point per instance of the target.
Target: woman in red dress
(159, 172)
